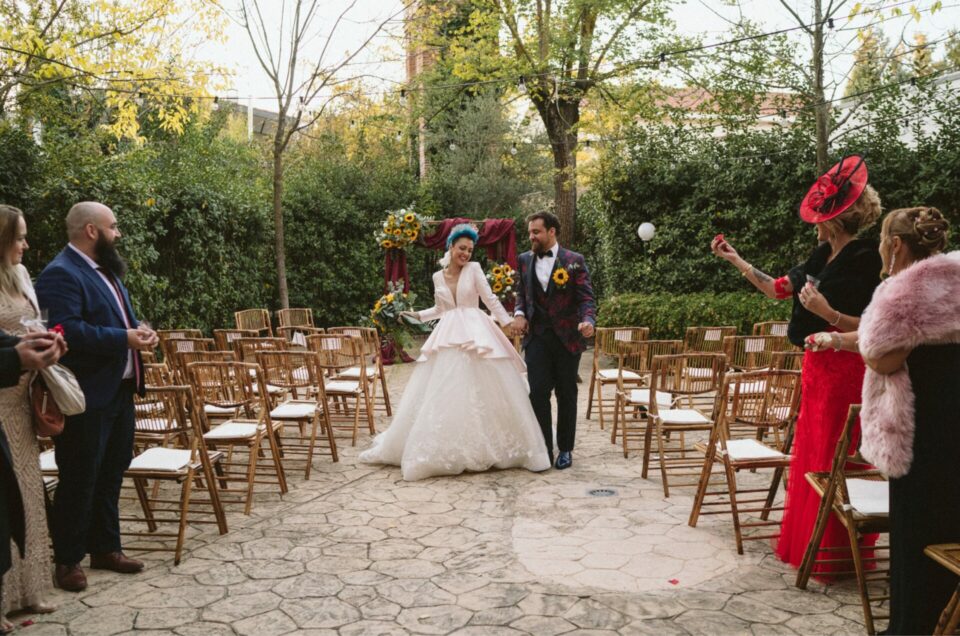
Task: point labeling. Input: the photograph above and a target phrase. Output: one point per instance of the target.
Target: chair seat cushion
(48, 461)
(611, 374)
(353, 373)
(271, 389)
(342, 386)
(234, 430)
(212, 409)
(642, 396)
(741, 449)
(158, 459)
(682, 416)
(294, 410)
(869, 497)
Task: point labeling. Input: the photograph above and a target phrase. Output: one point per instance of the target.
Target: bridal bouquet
(501, 278)
(400, 229)
(387, 317)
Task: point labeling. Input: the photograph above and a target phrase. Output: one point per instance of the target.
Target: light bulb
(646, 231)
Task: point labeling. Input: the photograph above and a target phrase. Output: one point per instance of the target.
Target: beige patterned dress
(30, 579)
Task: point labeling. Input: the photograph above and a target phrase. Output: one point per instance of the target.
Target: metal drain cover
(602, 492)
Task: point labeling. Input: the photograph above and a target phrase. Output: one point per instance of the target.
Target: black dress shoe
(564, 460)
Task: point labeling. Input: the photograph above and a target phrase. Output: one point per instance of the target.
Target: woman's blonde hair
(10, 281)
(923, 230)
(862, 214)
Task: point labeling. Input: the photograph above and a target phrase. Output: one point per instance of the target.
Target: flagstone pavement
(356, 550)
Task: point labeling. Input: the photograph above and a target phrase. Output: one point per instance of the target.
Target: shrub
(668, 315)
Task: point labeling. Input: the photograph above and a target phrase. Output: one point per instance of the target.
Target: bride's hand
(820, 341)
(408, 314)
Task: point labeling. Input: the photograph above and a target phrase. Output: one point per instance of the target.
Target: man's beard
(108, 258)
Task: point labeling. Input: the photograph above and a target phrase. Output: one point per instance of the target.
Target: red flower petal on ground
(674, 581)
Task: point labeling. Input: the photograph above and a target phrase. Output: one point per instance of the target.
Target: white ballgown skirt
(466, 406)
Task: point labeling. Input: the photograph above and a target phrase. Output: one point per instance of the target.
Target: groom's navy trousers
(552, 367)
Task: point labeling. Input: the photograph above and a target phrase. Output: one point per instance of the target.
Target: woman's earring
(893, 259)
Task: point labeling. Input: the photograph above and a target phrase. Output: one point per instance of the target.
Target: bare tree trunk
(821, 107)
(279, 242)
(560, 118)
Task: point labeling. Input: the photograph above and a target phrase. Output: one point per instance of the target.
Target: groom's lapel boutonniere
(561, 275)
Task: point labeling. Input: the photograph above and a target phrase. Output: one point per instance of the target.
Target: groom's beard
(108, 258)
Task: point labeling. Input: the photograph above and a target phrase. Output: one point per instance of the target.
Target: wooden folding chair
(254, 319)
(374, 352)
(741, 404)
(605, 347)
(670, 375)
(632, 403)
(189, 467)
(229, 386)
(224, 338)
(296, 335)
(771, 328)
(859, 498)
(706, 339)
(789, 360)
(246, 349)
(157, 374)
(174, 334)
(347, 399)
(751, 353)
(947, 555)
(173, 349)
(300, 376)
(295, 318)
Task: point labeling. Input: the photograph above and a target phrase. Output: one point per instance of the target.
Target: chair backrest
(245, 349)
(295, 317)
(254, 319)
(608, 339)
(338, 351)
(296, 371)
(163, 335)
(225, 337)
(369, 335)
(647, 350)
(771, 328)
(788, 360)
(706, 339)
(157, 374)
(296, 336)
(157, 413)
(689, 373)
(763, 399)
(227, 385)
(749, 353)
(173, 349)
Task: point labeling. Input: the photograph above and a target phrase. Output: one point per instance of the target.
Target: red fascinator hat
(835, 191)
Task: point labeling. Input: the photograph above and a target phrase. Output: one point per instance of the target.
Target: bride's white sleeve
(489, 298)
(433, 313)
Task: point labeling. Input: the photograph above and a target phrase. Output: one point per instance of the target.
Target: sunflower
(560, 277)
(497, 271)
(389, 298)
(409, 233)
(386, 243)
(416, 226)
(398, 232)
(497, 288)
(509, 281)
(409, 217)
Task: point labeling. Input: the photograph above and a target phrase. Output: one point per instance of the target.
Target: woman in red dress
(830, 291)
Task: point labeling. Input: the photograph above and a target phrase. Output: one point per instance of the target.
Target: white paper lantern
(646, 231)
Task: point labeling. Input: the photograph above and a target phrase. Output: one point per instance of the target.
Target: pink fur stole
(920, 305)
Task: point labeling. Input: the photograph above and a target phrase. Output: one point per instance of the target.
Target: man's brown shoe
(115, 561)
(71, 578)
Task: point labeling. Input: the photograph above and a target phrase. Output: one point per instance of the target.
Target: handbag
(54, 394)
(48, 420)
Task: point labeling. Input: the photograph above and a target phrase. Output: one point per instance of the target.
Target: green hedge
(668, 315)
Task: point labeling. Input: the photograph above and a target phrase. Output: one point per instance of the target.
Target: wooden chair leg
(950, 616)
(140, 485)
(861, 580)
(704, 484)
(383, 385)
(251, 472)
(214, 493)
(331, 439)
(185, 492)
(313, 441)
(600, 404)
(616, 419)
(663, 459)
(647, 443)
(813, 547)
(734, 508)
(593, 381)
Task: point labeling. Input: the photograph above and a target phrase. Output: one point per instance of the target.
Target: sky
(383, 65)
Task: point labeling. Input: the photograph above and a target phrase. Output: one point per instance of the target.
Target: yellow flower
(389, 298)
(497, 271)
(409, 217)
(413, 237)
(416, 226)
(387, 243)
(377, 306)
(408, 232)
(398, 232)
(509, 281)
(150, 202)
(497, 287)
(560, 277)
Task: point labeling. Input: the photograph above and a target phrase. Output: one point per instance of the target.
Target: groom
(555, 309)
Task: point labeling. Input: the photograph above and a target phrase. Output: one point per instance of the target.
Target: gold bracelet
(837, 321)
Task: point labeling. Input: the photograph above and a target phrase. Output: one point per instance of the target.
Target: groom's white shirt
(543, 267)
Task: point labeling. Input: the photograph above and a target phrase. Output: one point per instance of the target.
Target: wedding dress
(466, 406)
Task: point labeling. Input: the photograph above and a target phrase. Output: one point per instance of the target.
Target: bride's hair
(458, 231)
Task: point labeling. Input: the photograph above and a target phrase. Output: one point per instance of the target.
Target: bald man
(82, 288)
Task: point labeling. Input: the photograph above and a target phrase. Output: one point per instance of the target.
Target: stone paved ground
(358, 551)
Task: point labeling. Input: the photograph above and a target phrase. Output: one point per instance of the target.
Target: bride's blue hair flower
(458, 231)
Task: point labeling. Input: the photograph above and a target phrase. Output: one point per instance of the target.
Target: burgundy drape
(496, 235)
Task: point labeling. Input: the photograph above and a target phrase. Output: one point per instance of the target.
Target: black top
(847, 282)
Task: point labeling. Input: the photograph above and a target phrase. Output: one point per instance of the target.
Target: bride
(466, 407)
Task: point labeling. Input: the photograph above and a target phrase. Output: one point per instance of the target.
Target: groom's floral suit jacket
(568, 303)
